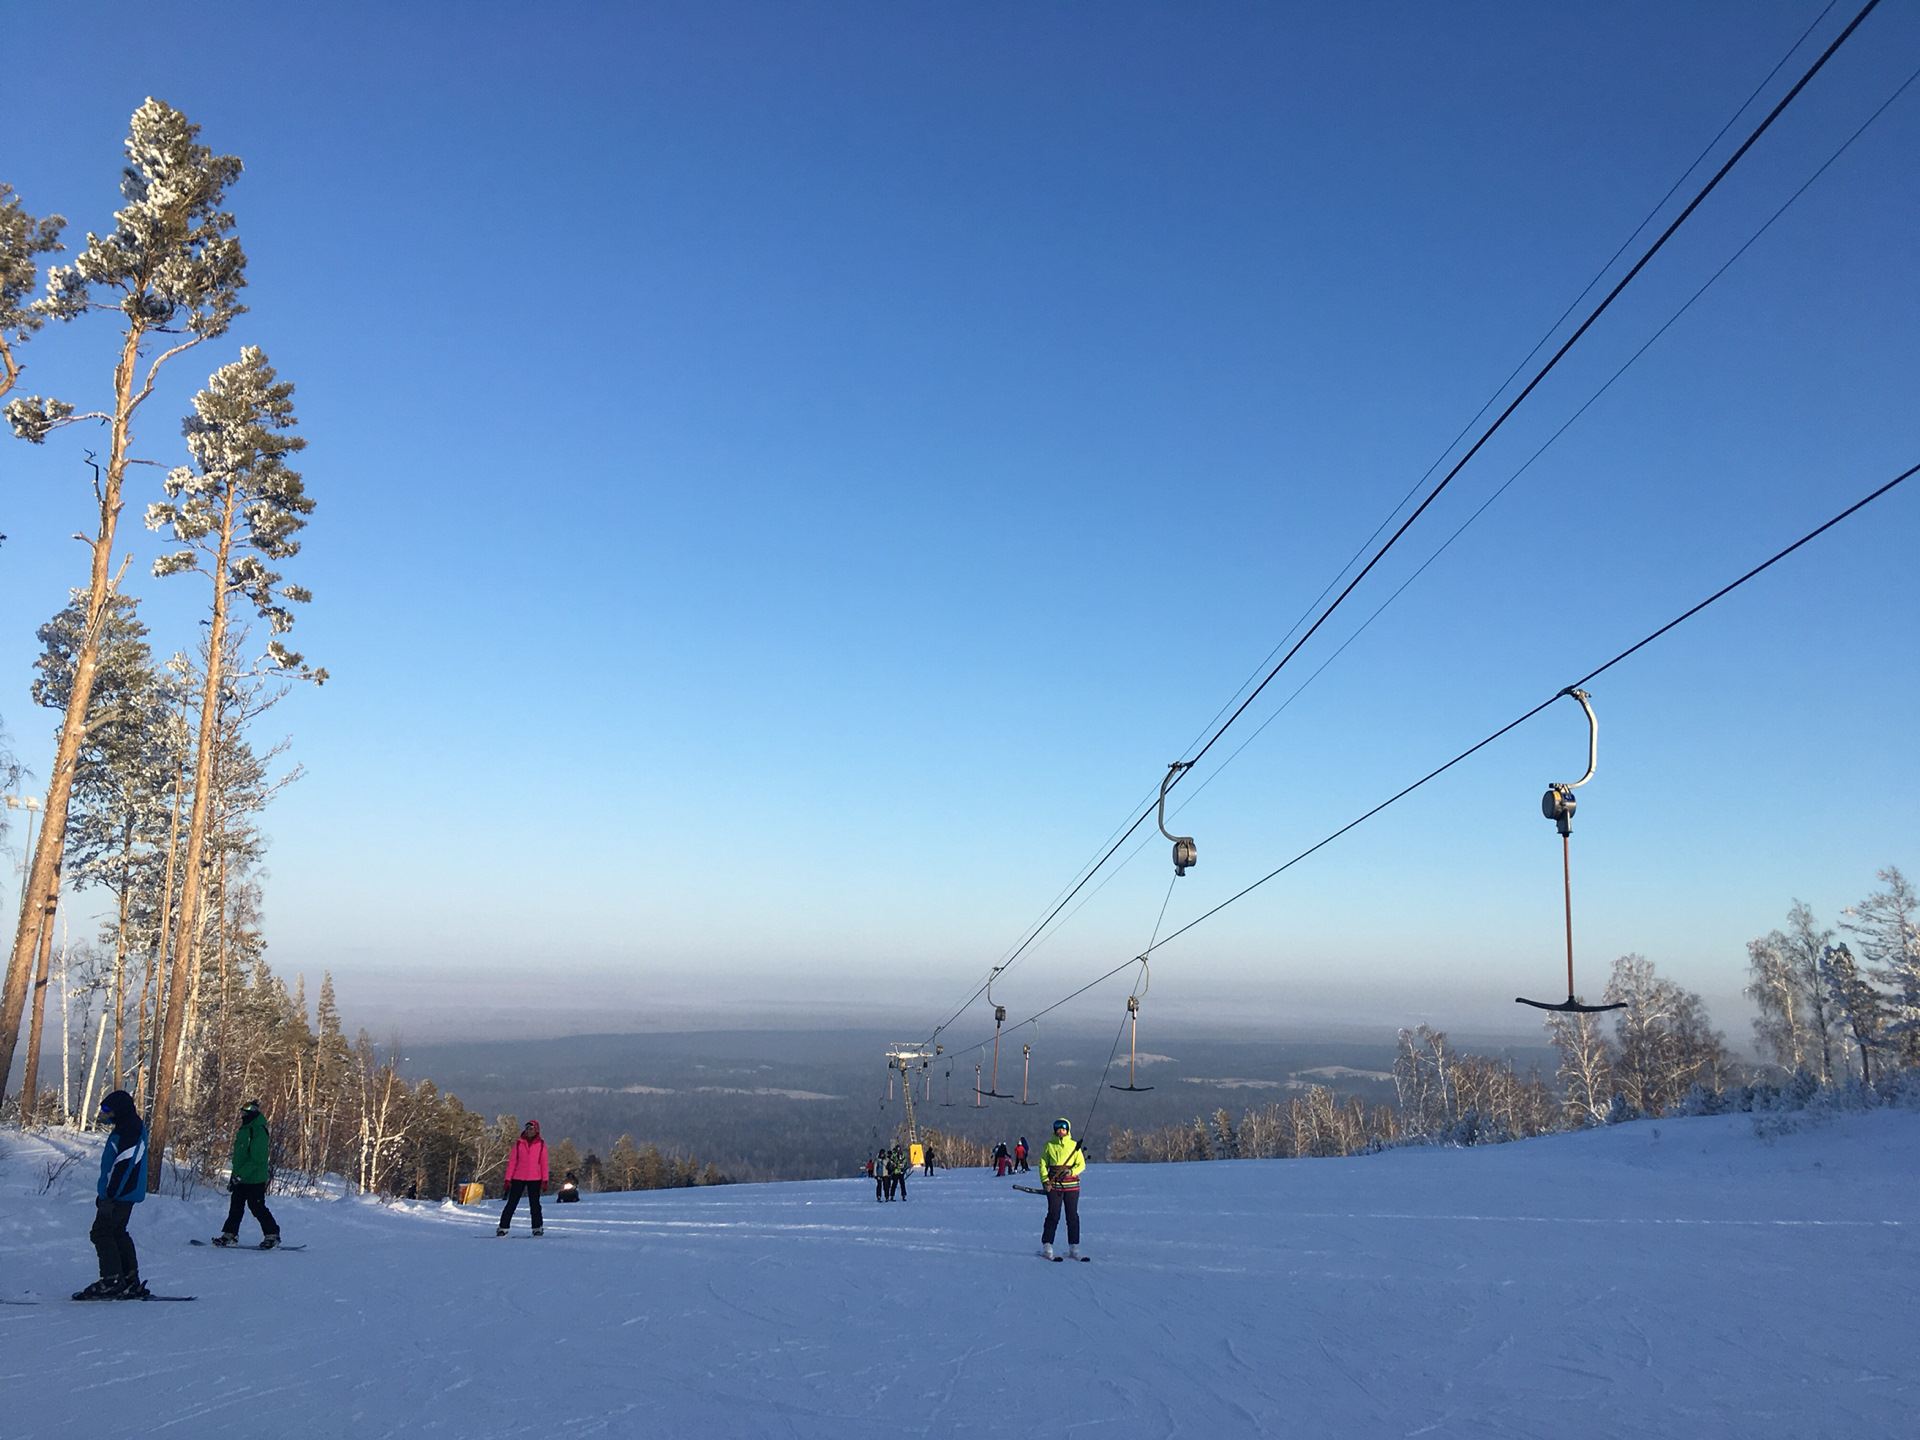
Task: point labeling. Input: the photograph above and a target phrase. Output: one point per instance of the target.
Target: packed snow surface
(1676, 1278)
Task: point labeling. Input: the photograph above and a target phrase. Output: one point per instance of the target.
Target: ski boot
(270, 1242)
(107, 1287)
(539, 1230)
(1046, 1252)
(225, 1240)
(1073, 1253)
(501, 1231)
(132, 1287)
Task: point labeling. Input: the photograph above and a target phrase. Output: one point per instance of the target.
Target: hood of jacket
(126, 1115)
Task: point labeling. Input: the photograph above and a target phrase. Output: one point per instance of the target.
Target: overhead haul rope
(1547, 444)
(1514, 374)
(1726, 167)
(1480, 745)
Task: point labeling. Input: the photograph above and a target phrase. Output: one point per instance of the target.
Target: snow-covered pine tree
(1885, 928)
(237, 506)
(22, 239)
(1860, 1008)
(175, 272)
(105, 814)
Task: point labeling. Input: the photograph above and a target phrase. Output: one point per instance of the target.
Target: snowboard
(211, 1246)
(120, 1302)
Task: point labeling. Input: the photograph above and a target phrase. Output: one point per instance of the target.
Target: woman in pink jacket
(526, 1175)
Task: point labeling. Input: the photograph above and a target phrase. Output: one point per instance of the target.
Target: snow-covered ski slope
(1676, 1278)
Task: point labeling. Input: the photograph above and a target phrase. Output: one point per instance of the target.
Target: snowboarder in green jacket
(252, 1169)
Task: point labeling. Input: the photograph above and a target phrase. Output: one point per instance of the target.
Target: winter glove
(231, 1183)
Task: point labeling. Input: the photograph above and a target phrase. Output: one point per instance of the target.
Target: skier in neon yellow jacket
(1061, 1162)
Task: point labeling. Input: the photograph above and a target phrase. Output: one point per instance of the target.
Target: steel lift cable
(1514, 374)
(1513, 405)
(1547, 369)
(1545, 445)
(1480, 745)
(1514, 724)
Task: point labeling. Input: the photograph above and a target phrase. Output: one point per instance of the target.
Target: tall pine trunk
(30, 1079)
(186, 920)
(43, 872)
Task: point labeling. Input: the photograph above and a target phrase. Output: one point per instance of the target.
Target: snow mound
(1682, 1278)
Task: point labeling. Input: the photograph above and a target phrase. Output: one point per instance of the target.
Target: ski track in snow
(1697, 1283)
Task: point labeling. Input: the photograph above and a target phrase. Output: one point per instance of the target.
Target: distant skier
(897, 1168)
(1020, 1155)
(1002, 1162)
(569, 1191)
(926, 1159)
(123, 1185)
(1060, 1165)
(248, 1185)
(526, 1175)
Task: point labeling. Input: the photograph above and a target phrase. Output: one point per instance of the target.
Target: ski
(115, 1299)
(211, 1246)
(170, 1297)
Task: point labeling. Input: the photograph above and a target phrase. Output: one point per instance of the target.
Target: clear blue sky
(790, 477)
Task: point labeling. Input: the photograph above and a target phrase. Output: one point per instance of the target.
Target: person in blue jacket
(123, 1184)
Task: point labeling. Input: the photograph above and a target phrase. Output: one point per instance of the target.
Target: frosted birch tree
(172, 271)
(1796, 1022)
(238, 506)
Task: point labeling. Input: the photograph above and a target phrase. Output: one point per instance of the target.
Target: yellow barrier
(917, 1155)
(470, 1194)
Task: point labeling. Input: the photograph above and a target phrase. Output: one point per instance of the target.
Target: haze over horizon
(789, 480)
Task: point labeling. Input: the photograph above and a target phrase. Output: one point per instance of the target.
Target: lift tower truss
(908, 1059)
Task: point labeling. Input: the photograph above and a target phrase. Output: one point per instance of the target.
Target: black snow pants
(1058, 1200)
(111, 1240)
(250, 1197)
(528, 1188)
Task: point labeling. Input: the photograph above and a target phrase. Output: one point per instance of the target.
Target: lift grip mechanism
(1558, 803)
(1184, 854)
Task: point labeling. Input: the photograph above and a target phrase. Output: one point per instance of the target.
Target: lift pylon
(907, 1059)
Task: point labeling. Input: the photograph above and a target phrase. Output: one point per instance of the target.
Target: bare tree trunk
(186, 924)
(43, 874)
(66, 1028)
(220, 1048)
(93, 1073)
(157, 958)
(120, 960)
(30, 1080)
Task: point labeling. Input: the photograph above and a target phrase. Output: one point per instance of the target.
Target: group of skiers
(1005, 1161)
(123, 1184)
(889, 1170)
(1061, 1162)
